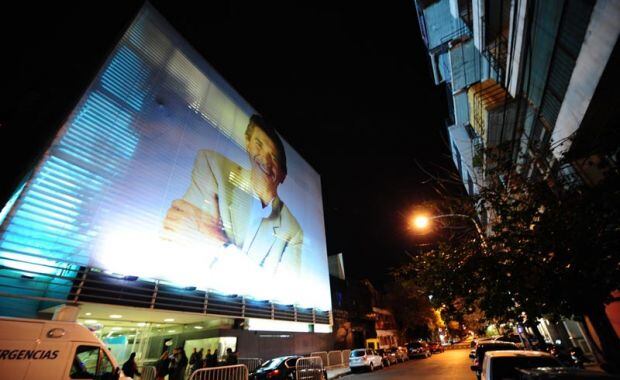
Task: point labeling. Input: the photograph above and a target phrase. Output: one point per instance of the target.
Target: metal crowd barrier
(345, 357)
(231, 372)
(322, 355)
(251, 363)
(334, 359)
(148, 373)
(310, 368)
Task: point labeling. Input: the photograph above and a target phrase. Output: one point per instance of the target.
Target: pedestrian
(162, 366)
(231, 357)
(195, 360)
(130, 367)
(205, 361)
(210, 360)
(178, 365)
(216, 358)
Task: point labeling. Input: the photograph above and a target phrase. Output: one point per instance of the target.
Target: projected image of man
(231, 205)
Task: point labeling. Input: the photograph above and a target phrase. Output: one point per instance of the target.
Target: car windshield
(357, 353)
(513, 339)
(506, 367)
(415, 344)
(272, 363)
(482, 349)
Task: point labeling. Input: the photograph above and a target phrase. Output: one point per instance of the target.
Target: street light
(421, 222)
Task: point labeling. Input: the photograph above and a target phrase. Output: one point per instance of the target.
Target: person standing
(231, 357)
(162, 366)
(210, 359)
(130, 367)
(195, 360)
(179, 364)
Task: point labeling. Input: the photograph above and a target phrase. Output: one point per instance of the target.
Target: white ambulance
(60, 349)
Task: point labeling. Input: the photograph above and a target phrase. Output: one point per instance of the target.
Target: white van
(32, 349)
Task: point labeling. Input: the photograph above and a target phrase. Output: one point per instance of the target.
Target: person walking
(130, 367)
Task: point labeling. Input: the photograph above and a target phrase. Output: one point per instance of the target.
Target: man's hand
(186, 222)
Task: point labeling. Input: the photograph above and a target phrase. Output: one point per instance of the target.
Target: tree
(475, 319)
(551, 252)
(412, 310)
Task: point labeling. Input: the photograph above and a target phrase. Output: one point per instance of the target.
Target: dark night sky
(347, 84)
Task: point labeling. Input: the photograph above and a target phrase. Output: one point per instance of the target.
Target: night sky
(348, 85)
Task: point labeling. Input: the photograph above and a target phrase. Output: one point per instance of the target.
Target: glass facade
(165, 189)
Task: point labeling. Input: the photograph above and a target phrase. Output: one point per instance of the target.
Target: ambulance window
(106, 370)
(85, 362)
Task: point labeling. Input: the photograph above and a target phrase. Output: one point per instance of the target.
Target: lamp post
(422, 221)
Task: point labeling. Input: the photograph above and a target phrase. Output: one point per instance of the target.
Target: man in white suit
(230, 205)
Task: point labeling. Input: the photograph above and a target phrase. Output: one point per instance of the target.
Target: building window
(569, 176)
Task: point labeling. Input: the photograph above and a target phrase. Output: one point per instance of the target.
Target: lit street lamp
(421, 222)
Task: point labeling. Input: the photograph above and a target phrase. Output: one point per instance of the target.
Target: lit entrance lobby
(149, 332)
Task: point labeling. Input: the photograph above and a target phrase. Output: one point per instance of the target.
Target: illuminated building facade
(142, 212)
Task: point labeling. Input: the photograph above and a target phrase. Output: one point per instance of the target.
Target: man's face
(265, 159)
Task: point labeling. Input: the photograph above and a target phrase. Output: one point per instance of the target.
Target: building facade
(531, 83)
(142, 212)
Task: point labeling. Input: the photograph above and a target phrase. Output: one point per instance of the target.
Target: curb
(336, 376)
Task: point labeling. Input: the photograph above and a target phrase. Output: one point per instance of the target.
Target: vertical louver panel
(50, 227)
(573, 25)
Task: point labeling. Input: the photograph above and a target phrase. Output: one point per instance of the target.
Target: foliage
(412, 310)
(552, 253)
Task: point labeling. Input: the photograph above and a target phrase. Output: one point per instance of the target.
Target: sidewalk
(334, 373)
(593, 366)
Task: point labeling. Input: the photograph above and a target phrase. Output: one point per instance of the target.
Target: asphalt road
(449, 365)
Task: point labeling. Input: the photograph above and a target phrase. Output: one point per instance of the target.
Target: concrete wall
(599, 42)
(269, 344)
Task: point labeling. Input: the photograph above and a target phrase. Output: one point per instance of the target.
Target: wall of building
(598, 44)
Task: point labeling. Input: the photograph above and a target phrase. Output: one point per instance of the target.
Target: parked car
(474, 344)
(436, 347)
(514, 338)
(501, 365)
(418, 349)
(483, 347)
(280, 368)
(388, 357)
(560, 373)
(364, 358)
(401, 353)
(571, 357)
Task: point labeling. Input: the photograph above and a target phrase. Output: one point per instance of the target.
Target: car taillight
(273, 373)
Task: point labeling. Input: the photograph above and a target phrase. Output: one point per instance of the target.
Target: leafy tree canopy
(549, 253)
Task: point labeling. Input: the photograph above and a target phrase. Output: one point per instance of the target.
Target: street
(449, 365)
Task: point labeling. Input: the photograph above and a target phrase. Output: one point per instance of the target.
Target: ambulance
(57, 349)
